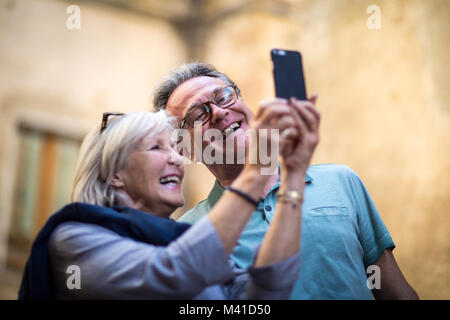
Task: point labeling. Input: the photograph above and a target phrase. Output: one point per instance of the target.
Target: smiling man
(342, 232)
(187, 102)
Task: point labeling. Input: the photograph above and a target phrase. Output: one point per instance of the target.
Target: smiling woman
(151, 178)
(118, 235)
(106, 152)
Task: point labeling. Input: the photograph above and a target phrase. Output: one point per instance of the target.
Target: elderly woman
(118, 239)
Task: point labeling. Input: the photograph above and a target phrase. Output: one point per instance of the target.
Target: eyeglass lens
(224, 97)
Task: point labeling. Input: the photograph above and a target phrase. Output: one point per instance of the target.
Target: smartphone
(288, 74)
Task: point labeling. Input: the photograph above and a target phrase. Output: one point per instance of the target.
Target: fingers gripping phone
(288, 74)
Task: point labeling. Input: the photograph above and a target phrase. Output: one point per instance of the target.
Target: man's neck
(226, 174)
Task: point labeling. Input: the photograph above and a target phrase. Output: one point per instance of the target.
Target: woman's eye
(155, 147)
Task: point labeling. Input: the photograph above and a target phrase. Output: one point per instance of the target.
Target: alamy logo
(74, 280)
(374, 280)
(211, 147)
(73, 22)
(374, 21)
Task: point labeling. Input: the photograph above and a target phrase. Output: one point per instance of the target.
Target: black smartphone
(288, 74)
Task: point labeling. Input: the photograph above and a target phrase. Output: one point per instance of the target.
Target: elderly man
(346, 249)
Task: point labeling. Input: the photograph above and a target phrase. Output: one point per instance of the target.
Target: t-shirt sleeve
(373, 234)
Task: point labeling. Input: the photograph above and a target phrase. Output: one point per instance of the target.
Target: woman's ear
(117, 181)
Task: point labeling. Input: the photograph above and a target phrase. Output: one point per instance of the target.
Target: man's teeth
(170, 180)
(230, 129)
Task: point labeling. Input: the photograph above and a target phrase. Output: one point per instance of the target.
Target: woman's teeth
(170, 180)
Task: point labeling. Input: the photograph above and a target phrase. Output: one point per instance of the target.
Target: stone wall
(383, 93)
(384, 99)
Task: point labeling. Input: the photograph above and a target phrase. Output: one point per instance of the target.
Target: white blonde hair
(103, 154)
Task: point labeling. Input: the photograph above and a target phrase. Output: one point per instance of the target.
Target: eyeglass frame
(208, 108)
(105, 117)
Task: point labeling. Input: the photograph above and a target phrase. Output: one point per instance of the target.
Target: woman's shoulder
(74, 235)
(70, 229)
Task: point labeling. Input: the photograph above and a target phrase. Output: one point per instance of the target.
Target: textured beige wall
(384, 100)
(383, 94)
(60, 79)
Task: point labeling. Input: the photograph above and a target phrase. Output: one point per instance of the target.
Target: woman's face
(152, 176)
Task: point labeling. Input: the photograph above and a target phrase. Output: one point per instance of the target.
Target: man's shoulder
(329, 170)
(196, 213)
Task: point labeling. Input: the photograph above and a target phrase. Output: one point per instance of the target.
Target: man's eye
(196, 115)
(155, 147)
(222, 99)
(200, 116)
(224, 96)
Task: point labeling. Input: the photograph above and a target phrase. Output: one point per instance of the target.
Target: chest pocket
(328, 211)
(329, 228)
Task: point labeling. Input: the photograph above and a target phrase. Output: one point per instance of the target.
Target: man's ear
(117, 181)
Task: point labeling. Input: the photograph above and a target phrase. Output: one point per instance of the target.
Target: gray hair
(181, 74)
(103, 154)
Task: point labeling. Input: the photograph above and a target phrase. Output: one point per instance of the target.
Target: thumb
(313, 98)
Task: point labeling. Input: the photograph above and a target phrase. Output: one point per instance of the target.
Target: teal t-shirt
(342, 233)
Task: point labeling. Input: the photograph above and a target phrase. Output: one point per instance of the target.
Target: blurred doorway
(45, 172)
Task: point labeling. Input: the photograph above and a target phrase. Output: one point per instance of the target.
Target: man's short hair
(184, 73)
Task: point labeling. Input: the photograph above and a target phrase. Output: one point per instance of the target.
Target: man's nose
(217, 113)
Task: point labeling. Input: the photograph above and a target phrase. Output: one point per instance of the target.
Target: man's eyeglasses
(201, 113)
(105, 117)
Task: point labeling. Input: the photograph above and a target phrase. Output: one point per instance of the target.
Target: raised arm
(231, 213)
(276, 268)
(283, 238)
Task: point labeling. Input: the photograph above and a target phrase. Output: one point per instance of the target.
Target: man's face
(199, 90)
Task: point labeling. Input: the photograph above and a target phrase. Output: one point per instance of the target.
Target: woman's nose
(175, 158)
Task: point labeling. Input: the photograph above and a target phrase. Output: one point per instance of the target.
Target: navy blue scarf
(127, 222)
